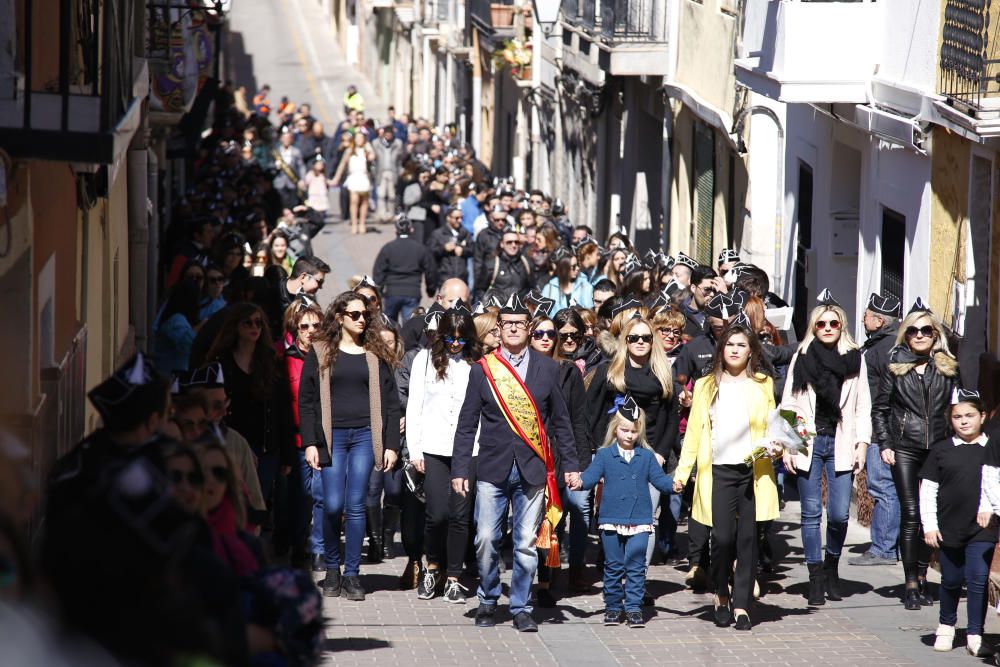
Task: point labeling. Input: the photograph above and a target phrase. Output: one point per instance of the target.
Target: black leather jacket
(910, 410)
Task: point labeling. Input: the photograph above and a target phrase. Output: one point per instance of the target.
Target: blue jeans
(345, 488)
(577, 511)
(527, 503)
(624, 558)
(396, 305)
(305, 497)
(970, 564)
(670, 514)
(838, 501)
(885, 516)
(313, 482)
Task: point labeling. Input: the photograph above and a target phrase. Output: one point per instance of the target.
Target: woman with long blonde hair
(829, 390)
(639, 367)
(909, 415)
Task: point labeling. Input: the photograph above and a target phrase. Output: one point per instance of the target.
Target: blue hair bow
(619, 401)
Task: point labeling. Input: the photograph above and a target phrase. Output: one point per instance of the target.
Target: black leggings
(446, 529)
(913, 551)
(734, 532)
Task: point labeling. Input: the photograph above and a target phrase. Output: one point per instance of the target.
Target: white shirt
(929, 490)
(731, 442)
(434, 405)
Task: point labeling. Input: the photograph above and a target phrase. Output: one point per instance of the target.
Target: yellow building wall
(106, 285)
(950, 159)
(705, 51)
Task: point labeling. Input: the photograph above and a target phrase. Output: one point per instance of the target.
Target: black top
(826, 421)
(399, 266)
(958, 471)
(349, 391)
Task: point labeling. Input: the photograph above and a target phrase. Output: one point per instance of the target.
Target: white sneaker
(974, 645)
(944, 638)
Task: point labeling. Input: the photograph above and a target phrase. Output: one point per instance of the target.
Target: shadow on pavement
(354, 644)
(239, 63)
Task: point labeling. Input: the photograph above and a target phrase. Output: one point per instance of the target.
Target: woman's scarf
(226, 542)
(825, 369)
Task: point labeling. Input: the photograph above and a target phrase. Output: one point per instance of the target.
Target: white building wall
(908, 44)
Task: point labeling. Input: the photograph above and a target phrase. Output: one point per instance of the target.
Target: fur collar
(944, 363)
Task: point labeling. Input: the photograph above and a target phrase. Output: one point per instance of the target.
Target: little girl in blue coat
(628, 466)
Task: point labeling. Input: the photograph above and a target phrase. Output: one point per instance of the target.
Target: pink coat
(856, 415)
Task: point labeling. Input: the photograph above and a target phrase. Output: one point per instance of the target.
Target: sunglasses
(357, 314)
(831, 324)
(451, 340)
(670, 333)
(193, 478)
(639, 338)
(575, 337)
(512, 243)
(220, 473)
(574, 267)
(253, 323)
(308, 326)
(544, 333)
(219, 405)
(217, 280)
(927, 331)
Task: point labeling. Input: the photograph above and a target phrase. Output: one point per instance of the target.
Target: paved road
(286, 43)
(870, 627)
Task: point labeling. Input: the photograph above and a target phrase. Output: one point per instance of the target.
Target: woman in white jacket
(827, 386)
(438, 380)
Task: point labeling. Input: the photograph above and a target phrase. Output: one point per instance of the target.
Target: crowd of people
(558, 388)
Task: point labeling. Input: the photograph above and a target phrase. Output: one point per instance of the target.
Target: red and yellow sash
(522, 416)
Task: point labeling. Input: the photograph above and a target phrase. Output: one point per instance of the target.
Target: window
(893, 252)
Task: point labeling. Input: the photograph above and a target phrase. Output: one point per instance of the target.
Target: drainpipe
(666, 172)
(777, 280)
(153, 257)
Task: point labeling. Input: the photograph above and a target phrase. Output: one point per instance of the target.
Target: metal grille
(704, 165)
(893, 252)
(968, 72)
(635, 21)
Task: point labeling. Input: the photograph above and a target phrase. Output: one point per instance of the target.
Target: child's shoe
(974, 645)
(613, 616)
(634, 619)
(944, 638)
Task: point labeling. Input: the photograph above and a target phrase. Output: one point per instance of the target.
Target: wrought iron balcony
(619, 37)
(966, 72)
(634, 22)
(77, 96)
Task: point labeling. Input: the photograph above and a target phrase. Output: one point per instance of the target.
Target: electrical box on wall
(845, 226)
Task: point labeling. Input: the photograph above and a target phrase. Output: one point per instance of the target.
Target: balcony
(967, 78)
(493, 18)
(79, 97)
(620, 37)
(798, 51)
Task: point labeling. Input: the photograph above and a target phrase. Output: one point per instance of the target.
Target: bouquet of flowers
(786, 430)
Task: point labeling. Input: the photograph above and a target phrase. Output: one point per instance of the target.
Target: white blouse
(434, 405)
(731, 441)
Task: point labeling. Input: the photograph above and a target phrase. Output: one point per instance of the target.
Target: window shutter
(704, 165)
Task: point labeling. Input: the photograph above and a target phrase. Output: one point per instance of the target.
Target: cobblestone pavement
(869, 627)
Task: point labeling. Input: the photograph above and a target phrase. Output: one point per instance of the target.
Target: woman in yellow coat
(728, 420)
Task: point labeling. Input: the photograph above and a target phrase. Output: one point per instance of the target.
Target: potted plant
(517, 55)
(502, 15)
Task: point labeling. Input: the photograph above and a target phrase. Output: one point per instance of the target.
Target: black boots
(332, 583)
(832, 577)
(390, 521)
(816, 595)
(373, 523)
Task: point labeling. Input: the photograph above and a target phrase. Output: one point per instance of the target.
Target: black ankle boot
(373, 523)
(832, 577)
(332, 583)
(390, 519)
(816, 584)
(924, 593)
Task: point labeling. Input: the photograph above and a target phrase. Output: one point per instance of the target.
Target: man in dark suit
(508, 471)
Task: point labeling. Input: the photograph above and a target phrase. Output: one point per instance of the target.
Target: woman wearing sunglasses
(829, 390)
(909, 415)
(561, 338)
(185, 477)
(570, 286)
(301, 323)
(260, 407)
(639, 367)
(225, 513)
(349, 421)
(438, 381)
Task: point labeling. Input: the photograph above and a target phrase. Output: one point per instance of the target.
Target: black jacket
(695, 357)
(911, 411)
(499, 446)
(449, 264)
(506, 274)
(399, 265)
(486, 248)
(266, 422)
(876, 350)
(662, 415)
(571, 384)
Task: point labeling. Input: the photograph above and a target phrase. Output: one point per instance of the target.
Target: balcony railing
(77, 84)
(966, 71)
(635, 21)
(491, 15)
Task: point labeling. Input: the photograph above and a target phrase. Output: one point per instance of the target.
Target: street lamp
(546, 13)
